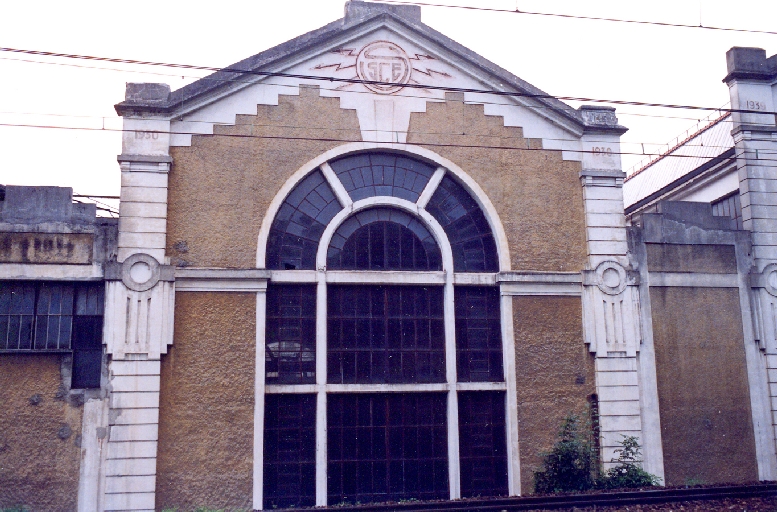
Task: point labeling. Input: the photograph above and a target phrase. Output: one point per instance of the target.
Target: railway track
(568, 501)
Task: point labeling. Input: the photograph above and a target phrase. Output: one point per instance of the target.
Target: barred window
(42, 316)
(387, 359)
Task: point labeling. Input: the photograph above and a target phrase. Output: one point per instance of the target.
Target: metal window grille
(386, 447)
(289, 451)
(478, 334)
(290, 354)
(385, 334)
(39, 316)
(482, 443)
(382, 174)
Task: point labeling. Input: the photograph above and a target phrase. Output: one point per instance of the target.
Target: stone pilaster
(140, 297)
(610, 293)
(751, 81)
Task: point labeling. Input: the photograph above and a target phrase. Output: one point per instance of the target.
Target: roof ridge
(677, 146)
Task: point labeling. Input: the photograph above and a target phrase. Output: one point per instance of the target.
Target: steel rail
(617, 498)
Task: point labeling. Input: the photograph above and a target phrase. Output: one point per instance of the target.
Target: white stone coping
(51, 272)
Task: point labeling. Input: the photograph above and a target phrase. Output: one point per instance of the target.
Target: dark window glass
(289, 451)
(383, 239)
(382, 174)
(478, 334)
(290, 354)
(301, 219)
(44, 316)
(385, 334)
(53, 316)
(17, 315)
(386, 447)
(483, 444)
(468, 230)
(87, 335)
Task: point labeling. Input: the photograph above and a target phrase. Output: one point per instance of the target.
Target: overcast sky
(565, 57)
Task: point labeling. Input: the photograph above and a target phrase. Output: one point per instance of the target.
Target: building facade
(370, 265)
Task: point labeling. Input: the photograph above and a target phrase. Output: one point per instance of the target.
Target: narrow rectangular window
(289, 451)
(483, 444)
(478, 334)
(290, 355)
(87, 335)
(386, 447)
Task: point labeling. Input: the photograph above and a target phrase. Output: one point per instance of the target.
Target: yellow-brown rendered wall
(221, 186)
(703, 395)
(206, 409)
(40, 435)
(555, 374)
(537, 195)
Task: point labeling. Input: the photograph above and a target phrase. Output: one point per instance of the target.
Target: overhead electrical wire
(336, 129)
(589, 18)
(343, 140)
(235, 80)
(374, 82)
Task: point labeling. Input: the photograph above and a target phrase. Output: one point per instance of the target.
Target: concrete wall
(40, 435)
(206, 408)
(704, 401)
(554, 371)
(694, 268)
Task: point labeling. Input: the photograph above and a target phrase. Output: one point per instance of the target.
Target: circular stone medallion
(383, 61)
(611, 277)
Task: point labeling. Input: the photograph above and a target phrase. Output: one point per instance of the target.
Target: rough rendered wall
(221, 186)
(40, 435)
(536, 194)
(206, 424)
(555, 373)
(704, 401)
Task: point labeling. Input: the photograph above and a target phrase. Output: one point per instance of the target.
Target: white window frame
(447, 278)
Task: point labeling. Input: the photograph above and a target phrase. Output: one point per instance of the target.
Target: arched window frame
(447, 278)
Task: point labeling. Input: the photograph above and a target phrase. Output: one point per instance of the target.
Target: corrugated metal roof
(696, 150)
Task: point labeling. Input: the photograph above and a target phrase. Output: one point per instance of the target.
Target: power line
(375, 82)
(336, 129)
(589, 18)
(344, 140)
(234, 80)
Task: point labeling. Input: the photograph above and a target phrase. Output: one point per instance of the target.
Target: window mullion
(453, 403)
(321, 375)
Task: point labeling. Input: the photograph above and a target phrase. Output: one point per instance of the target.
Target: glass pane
(299, 224)
(483, 444)
(478, 334)
(289, 451)
(53, 319)
(383, 239)
(386, 447)
(385, 334)
(87, 365)
(468, 231)
(382, 174)
(290, 354)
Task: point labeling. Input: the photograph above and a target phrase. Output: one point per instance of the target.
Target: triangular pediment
(376, 53)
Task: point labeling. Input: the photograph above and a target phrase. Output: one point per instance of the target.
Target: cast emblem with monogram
(383, 61)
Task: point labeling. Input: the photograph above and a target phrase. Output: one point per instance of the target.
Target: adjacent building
(370, 265)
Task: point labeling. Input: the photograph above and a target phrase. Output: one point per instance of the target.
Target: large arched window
(383, 340)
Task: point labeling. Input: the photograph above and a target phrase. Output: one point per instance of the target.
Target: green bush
(628, 473)
(570, 464)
